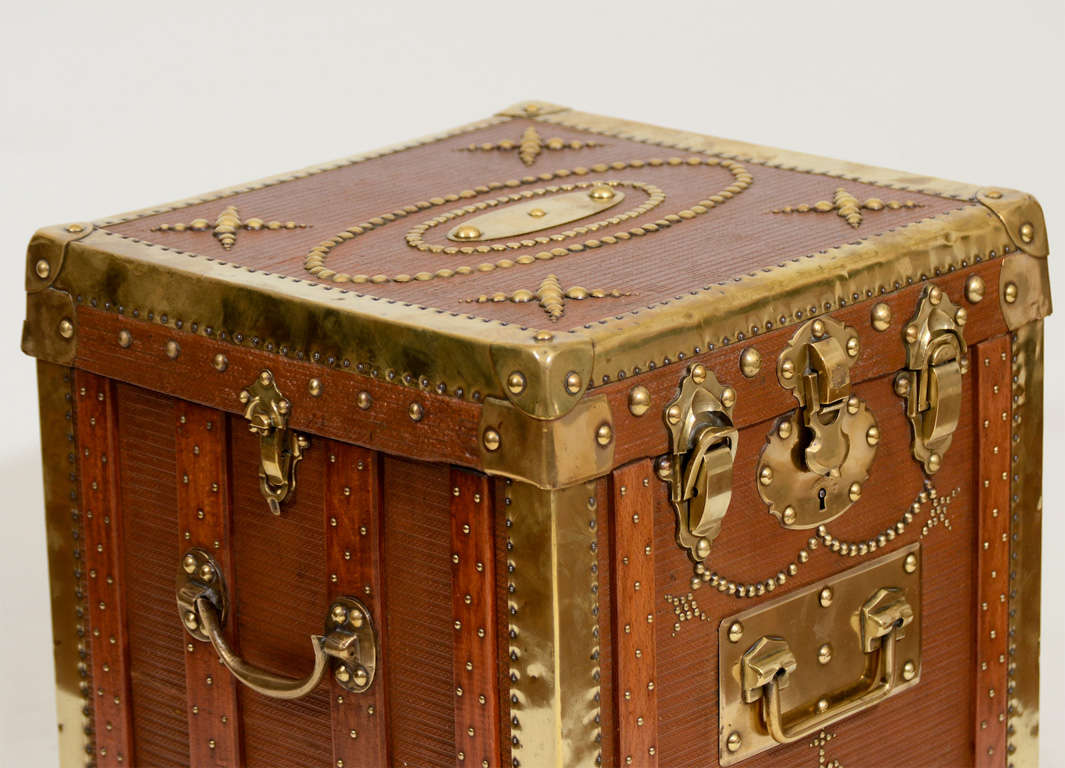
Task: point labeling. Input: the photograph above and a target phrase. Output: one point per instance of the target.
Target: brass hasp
(280, 448)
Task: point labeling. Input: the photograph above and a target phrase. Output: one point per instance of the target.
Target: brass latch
(817, 457)
(931, 382)
(698, 469)
(794, 665)
(281, 449)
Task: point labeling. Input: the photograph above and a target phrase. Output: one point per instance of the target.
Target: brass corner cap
(547, 376)
(1022, 217)
(531, 108)
(46, 253)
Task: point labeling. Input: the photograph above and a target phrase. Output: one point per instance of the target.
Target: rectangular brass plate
(807, 626)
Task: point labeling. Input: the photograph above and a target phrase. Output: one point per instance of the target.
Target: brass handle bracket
(698, 468)
(348, 644)
(280, 448)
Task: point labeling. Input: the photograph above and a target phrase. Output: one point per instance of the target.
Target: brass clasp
(698, 469)
(931, 382)
(280, 448)
(817, 457)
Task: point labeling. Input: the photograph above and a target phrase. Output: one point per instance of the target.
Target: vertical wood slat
(97, 441)
(473, 600)
(634, 605)
(205, 517)
(993, 367)
(353, 557)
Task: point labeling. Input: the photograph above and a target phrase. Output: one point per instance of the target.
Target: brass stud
(173, 350)
(935, 295)
(604, 434)
(75, 228)
(66, 328)
(765, 477)
(314, 386)
(734, 742)
(361, 677)
(639, 400)
(1009, 294)
(537, 213)
(491, 440)
(467, 232)
(601, 192)
(125, 338)
(191, 621)
(698, 373)
(825, 597)
(818, 328)
(516, 382)
(902, 385)
(735, 631)
(853, 346)
(750, 362)
(872, 435)
(881, 317)
(853, 405)
(342, 674)
(974, 289)
(910, 563)
(855, 491)
(206, 573)
(824, 653)
(543, 336)
(728, 397)
(788, 515)
(364, 400)
(702, 548)
(43, 269)
(1027, 232)
(266, 378)
(415, 411)
(912, 332)
(188, 563)
(909, 671)
(784, 430)
(787, 369)
(822, 705)
(673, 414)
(573, 382)
(935, 461)
(961, 316)
(339, 614)
(220, 362)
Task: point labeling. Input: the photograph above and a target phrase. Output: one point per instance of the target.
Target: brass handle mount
(349, 640)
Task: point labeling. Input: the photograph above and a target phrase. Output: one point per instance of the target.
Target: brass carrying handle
(768, 664)
(349, 639)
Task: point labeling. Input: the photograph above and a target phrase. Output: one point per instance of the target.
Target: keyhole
(821, 494)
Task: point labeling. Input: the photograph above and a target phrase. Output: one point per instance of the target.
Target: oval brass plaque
(537, 214)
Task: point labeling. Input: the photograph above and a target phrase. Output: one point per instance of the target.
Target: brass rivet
(735, 631)
(467, 232)
(314, 386)
(750, 362)
(190, 620)
(604, 434)
(910, 563)
(1027, 232)
(602, 192)
(935, 295)
(728, 397)
(787, 369)
(342, 674)
(824, 653)
(639, 400)
(532, 109)
(543, 336)
(788, 515)
(491, 440)
(784, 430)
(974, 289)
(881, 317)
(853, 404)
(66, 328)
(909, 671)
(43, 268)
(994, 194)
(220, 362)
(902, 385)
(853, 346)
(415, 411)
(573, 382)
(912, 332)
(266, 378)
(75, 228)
(125, 338)
(1010, 293)
(825, 597)
(934, 462)
(872, 435)
(516, 382)
(206, 573)
(339, 614)
(765, 477)
(698, 373)
(173, 349)
(702, 548)
(188, 563)
(537, 213)
(818, 328)
(855, 491)
(364, 400)
(734, 741)
(961, 316)
(822, 705)
(361, 677)
(673, 414)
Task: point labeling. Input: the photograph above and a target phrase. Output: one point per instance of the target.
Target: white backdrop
(113, 106)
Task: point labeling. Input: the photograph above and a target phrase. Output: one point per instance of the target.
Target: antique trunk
(552, 440)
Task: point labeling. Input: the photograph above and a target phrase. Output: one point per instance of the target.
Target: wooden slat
(634, 603)
(98, 466)
(205, 518)
(353, 556)
(473, 603)
(992, 363)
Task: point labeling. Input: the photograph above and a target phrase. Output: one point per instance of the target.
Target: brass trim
(554, 646)
(1025, 574)
(553, 453)
(65, 575)
(1022, 217)
(49, 332)
(46, 253)
(1029, 297)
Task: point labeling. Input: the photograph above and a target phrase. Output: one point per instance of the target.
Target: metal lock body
(698, 469)
(932, 381)
(817, 457)
(280, 448)
(794, 665)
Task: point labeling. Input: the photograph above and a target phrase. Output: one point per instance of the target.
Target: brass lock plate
(831, 661)
(538, 214)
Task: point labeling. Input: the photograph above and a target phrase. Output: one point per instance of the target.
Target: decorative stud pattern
(686, 608)
(820, 743)
(227, 225)
(550, 295)
(204, 515)
(352, 527)
(531, 145)
(847, 207)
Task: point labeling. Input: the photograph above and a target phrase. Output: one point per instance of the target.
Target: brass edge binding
(74, 707)
(1025, 544)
